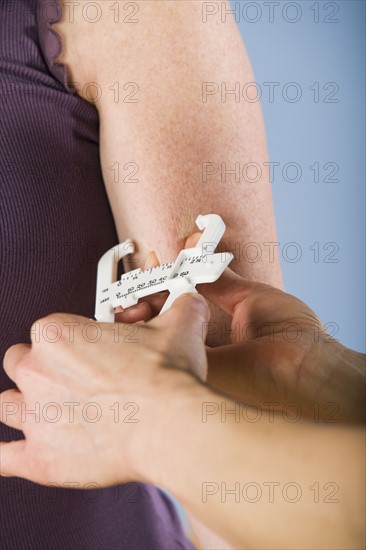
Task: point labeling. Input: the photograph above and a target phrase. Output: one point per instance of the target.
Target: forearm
(302, 482)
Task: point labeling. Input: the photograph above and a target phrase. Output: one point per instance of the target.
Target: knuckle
(7, 360)
(17, 366)
(50, 329)
(52, 319)
(12, 357)
(61, 326)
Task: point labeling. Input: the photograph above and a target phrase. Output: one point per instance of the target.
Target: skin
(171, 132)
(155, 372)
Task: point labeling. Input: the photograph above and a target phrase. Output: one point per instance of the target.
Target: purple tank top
(55, 224)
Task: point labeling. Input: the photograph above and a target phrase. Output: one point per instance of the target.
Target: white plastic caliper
(192, 266)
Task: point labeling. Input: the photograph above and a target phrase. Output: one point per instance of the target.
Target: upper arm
(158, 143)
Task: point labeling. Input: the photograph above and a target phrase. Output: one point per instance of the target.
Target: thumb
(228, 291)
(185, 325)
(188, 316)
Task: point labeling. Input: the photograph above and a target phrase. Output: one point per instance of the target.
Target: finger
(139, 312)
(13, 356)
(151, 260)
(13, 461)
(192, 240)
(154, 304)
(10, 412)
(156, 301)
(228, 291)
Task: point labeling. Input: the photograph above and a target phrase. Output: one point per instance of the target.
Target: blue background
(306, 132)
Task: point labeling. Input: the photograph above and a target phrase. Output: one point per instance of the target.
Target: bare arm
(176, 134)
(270, 484)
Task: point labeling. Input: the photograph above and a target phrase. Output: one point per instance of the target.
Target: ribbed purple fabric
(55, 224)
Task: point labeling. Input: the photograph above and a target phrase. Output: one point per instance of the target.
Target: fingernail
(139, 305)
(136, 307)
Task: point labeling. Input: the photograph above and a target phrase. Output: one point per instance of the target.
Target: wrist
(189, 443)
(349, 382)
(339, 375)
(166, 422)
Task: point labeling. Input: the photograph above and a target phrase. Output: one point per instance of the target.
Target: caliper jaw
(106, 276)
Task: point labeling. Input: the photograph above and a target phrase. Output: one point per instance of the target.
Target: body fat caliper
(192, 266)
